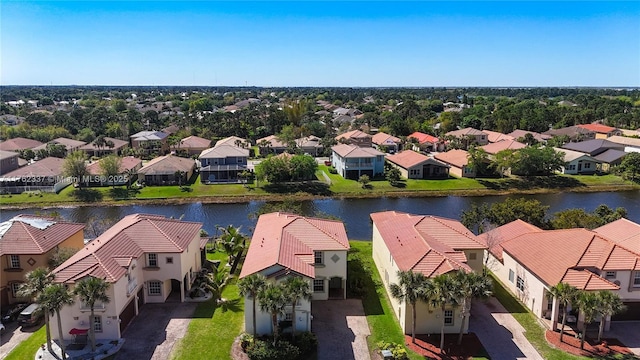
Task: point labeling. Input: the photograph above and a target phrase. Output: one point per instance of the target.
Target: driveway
(628, 332)
(152, 334)
(501, 335)
(12, 336)
(341, 328)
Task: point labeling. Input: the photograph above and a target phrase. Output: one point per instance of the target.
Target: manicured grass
(28, 348)
(534, 332)
(213, 328)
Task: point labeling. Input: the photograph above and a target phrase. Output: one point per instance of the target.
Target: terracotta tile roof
(353, 151)
(126, 163)
(130, 238)
(495, 237)
(428, 244)
(18, 144)
(496, 147)
(46, 167)
(224, 151)
(385, 139)
(599, 128)
(586, 280)
(494, 136)
(167, 165)
(354, 134)
(457, 158)
(465, 132)
(410, 158)
(194, 142)
(517, 133)
(289, 240)
(581, 249)
(273, 140)
(117, 144)
(423, 138)
(310, 141)
(624, 232)
(231, 140)
(29, 234)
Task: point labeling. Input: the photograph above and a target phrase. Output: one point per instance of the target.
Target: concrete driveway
(341, 328)
(501, 335)
(152, 334)
(628, 332)
(12, 336)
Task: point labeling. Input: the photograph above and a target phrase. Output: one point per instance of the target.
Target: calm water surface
(354, 212)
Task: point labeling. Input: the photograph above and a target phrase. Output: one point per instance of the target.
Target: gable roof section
(496, 147)
(423, 138)
(628, 141)
(469, 131)
(18, 144)
(385, 139)
(409, 158)
(599, 128)
(47, 167)
(592, 147)
(624, 232)
(273, 140)
(149, 136)
(126, 163)
(353, 151)
(494, 136)
(517, 133)
(494, 238)
(611, 155)
(570, 155)
(424, 243)
(130, 238)
(354, 134)
(224, 151)
(457, 158)
(67, 143)
(231, 140)
(289, 241)
(194, 142)
(117, 144)
(167, 165)
(29, 234)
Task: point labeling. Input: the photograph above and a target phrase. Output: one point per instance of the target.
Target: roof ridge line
(165, 235)
(24, 225)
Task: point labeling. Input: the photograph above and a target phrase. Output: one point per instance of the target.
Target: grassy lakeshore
(327, 185)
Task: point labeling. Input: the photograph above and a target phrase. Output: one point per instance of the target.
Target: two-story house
(285, 245)
(352, 161)
(28, 242)
(151, 142)
(576, 163)
(386, 143)
(602, 131)
(193, 145)
(355, 137)
(8, 161)
(425, 142)
(222, 164)
(144, 258)
(429, 245)
(469, 136)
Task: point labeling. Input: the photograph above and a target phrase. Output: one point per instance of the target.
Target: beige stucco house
(27, 242)
(144, 258)
(285, 245)
(429, 245)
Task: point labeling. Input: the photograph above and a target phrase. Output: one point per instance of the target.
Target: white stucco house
(429, 245)
(144, 258)
(285, 245)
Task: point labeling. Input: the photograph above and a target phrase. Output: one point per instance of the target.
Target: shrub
(307, 342)
(333, 170)
(245, 341)
(398, 350)
(264, 350)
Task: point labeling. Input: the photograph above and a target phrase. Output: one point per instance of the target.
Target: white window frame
(512, 275)
(520, 283)
(14, 261)
(636, 279)
(318, 255)
(318, 285)
(97, 323)
(152, 286)
(449, 319)
(15, 287)
(152, 262)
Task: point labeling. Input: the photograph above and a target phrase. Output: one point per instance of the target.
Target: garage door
(632, 312)
(127, 315)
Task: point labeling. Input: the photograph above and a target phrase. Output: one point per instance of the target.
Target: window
(97, 323)
(448, 317)
(636, 279)
(318, 285)
(288, 317)
(473, 256)
(169, 260)
(317, 257)
(15, 287)
(239, 160)
(14, 261)
(610, 274)
(152, 260)
(155, 288)
(520, 283)
(587, 165)
(511, 275)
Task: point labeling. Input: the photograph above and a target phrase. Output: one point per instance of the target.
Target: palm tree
(588, 303)
(273, 300)
(251, 286)
(442, 292)
(610, 304)
(410, 289)
(565, 294)
(92, 290)
(215, 282)
(264, 147)
(54, 298)
(234, 243)
(37, 281)
(296, 288)
(471, 286)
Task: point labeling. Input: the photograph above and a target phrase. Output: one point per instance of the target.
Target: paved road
(12, 336)
(152, 334)
(341, 328)
(501, 335)
(628, 332)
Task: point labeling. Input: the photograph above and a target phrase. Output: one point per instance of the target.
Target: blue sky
(360, 43)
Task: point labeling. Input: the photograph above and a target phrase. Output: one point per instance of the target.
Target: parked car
(31, 315)
(12, 314)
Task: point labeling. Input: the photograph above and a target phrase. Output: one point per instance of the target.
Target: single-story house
(469, 136)
(602, 131)
(167, 170)
(575, 133)
(8, 161)
(17, 144)
(630, 144)
(390, 143)
(27, 242)
(69, 144)
(92, 149)
(355, 137)
(593, 147)
(352, 161)
(234, 141)
(222, 164)
(43, 175)
(144, 258)
(285, 245)
(577, 163)
(426, 142)
(520, 134)
(129, 167)
(311, 145)
(271, 145)
(458, 161)
(429, 245)
(495, 136)
(413, 165)
(610, 158)
(151, 141)
(493, 148)
(193, 145)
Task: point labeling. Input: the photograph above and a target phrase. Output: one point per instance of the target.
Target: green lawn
(27, 349)
(213, 328)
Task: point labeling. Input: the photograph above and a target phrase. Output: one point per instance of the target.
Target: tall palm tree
(250, 286)
(565, 294)
(54, 298)
(471, 286)
(610, 304)
(273, 300)
(36, 282)
(92, 290)
(296, 288)
(443, 292)
(215, 282)
(410, 289)
(234, 243)
(588, 303)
